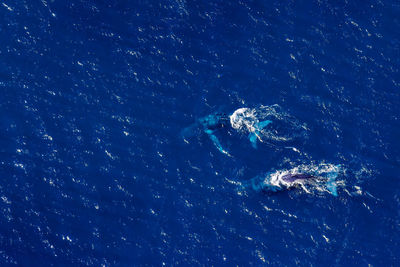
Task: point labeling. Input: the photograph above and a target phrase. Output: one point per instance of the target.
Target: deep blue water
(94, 95)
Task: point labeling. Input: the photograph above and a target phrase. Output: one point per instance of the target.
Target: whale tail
(253, 136)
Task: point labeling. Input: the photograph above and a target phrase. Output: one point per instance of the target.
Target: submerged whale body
(209, 125)
(214, 121)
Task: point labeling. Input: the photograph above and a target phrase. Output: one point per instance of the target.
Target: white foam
(244, 119)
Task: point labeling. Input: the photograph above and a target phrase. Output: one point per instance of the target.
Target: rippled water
(94, 96)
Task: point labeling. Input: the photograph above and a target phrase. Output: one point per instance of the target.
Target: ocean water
(94, 97)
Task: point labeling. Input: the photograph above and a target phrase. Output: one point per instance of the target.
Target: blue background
(94, 94)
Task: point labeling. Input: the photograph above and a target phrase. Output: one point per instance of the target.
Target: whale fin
(216, 142)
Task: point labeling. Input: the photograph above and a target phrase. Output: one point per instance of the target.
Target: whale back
(292, 177)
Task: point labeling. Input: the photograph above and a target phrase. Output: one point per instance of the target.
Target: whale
(281, 180)
(212, 123)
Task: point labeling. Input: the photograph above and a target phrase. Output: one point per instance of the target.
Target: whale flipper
(331, 182)
(331, 186)
(216, 142)
(253, 136)
(253, 140)
(263, 124)
(208, 124)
